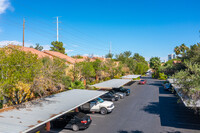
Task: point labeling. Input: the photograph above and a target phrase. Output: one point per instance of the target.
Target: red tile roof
(60, 55)
(32, 50)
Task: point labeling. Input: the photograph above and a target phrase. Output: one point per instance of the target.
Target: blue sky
(148, 27)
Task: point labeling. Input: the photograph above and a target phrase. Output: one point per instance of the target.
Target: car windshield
(100, 100)
(109, 94)
(121, 88)
(142, 80)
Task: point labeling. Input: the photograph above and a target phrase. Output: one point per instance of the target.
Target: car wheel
(113, 99)
(75, 127)
(103, 111)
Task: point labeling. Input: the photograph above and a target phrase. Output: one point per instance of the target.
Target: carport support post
(97, 78)
(48, 126)
(84, 82)
(76, 110)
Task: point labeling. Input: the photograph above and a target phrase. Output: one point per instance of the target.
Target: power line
(77, 37)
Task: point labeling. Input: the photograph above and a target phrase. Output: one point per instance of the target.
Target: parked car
(142, 82)
(120, 94)
(98, 105)
(73, 120)
(168, 86)
(165, 82)
(123, 90)
(110, 97)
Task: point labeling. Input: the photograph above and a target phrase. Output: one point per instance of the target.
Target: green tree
(37, 47)
(17, 71)
(87, 70)
(98, 68)
(109, 55)
(127, 54)
(50, 78)
(181, 50)
(189, 79)
(58, 47)
(23, 76)
(155, 63)
(136, 64)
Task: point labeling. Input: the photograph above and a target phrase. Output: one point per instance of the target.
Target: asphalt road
(149, 109)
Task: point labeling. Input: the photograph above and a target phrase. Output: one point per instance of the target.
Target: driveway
(149, 109)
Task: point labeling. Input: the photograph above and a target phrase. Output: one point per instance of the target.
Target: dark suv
(72, 120)
(110, 97)
(123, 90)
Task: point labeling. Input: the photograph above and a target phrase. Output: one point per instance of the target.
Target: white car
(98, 105)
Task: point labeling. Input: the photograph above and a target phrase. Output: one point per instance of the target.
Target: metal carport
(130, 76)
(113, 83)
(31, 115)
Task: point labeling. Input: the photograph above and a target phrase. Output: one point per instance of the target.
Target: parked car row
(168, 86)
(103, 105)
(72, 120)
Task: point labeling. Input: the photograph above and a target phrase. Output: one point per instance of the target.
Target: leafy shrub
(162, 76)
(107, 78)
(66, 81)
(117, 77)
(138, 78)
(77, 85)
(1, 105)
(93, 82)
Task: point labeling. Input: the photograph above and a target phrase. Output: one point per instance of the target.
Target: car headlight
(110, 106)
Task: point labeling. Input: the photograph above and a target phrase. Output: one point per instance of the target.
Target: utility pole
(110, 48)
(23, 30)
(57, 28)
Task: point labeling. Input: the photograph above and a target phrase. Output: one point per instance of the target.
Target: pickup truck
(98, 105)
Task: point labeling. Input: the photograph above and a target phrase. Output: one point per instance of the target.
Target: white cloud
(68, 50)
(46, 47)
(4, 5)
(5, 43)
(92, 55)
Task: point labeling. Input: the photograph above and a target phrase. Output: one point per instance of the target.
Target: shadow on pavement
(146, 77)
(173, 114)
(136, 131)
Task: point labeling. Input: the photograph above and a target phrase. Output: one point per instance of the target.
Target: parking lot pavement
(148, 109)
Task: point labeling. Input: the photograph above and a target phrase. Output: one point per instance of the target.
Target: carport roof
(130, 76)
(113, 83)
(187, 102)
(39, 112)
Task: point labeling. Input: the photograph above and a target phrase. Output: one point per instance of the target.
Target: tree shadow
(152, 108)
(172, 113)
(155, 84)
